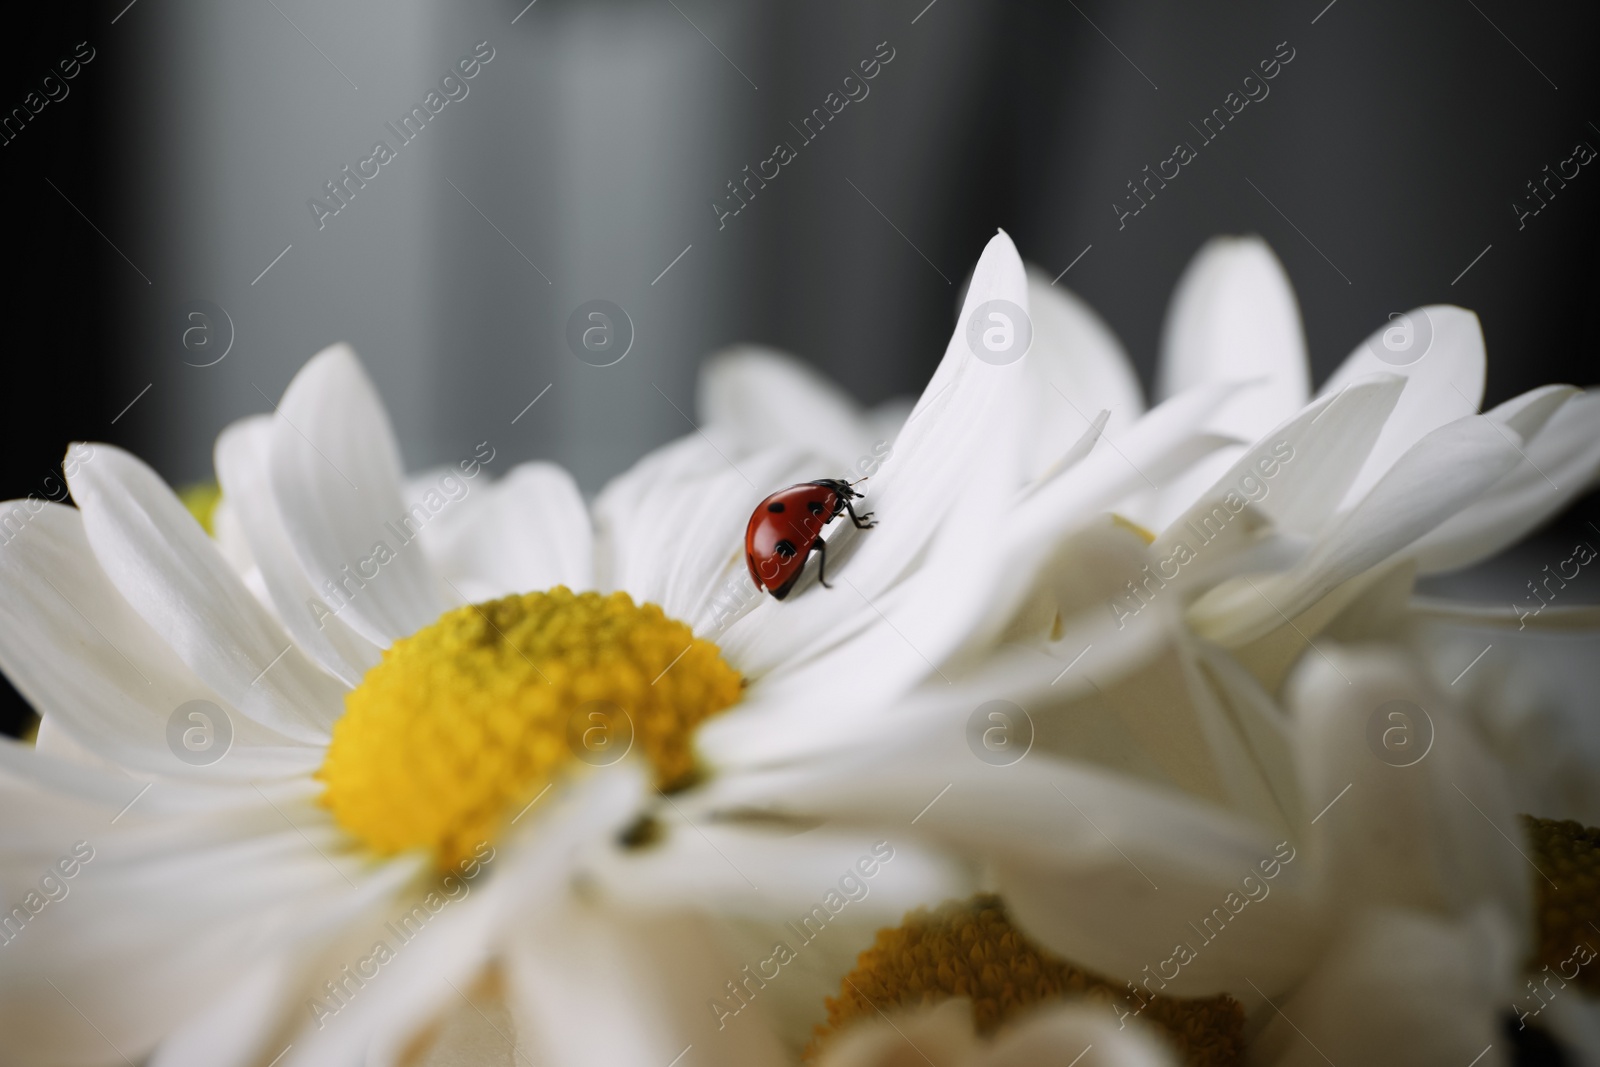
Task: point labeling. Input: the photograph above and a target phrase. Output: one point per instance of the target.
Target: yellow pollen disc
(465, 722)
(970, 949)
(1569, 853)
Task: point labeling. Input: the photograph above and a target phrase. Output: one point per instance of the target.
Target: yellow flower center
(467, 721)
(970, 949)
(1568, 853)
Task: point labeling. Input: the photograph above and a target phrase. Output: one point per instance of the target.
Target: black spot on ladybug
(816, 508)
(775, 506)
(785, 549)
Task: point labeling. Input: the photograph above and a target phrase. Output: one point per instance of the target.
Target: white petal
(337, 477)
(1158, 448)
(1400, 989)
(1445, 382)
(972, 424)
(944, 1031)
(1077, 1034)
(1531, 694)
(757, 398)
(571, 967)
(1415, 812)
(954, 467)
(243, 467)
(756, 871)
(1106, 871)
(1312, 458)
(1080, 361)
(1233, 318)
(1439, 476)
(211, 893)
(170, 572)
(529, 531)
(110, 683)
(1561, 461)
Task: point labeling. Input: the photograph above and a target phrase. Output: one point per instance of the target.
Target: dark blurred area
(1382, 162)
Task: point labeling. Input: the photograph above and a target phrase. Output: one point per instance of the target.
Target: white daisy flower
(376, 842)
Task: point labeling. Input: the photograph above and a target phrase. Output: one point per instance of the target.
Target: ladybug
(787, 526)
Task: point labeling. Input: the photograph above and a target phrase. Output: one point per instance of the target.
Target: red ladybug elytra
(787, 526)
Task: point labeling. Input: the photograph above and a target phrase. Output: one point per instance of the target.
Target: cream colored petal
(1413, 812)
(1400, 989)
(1078, 1034)
(941, 1036)
(572, 968)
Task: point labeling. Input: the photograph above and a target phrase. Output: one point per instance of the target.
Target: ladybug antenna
(859, 480)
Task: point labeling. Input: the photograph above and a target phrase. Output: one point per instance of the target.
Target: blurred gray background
(589, 151)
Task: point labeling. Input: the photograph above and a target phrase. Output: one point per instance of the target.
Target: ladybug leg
(862, 521)
(821, 549)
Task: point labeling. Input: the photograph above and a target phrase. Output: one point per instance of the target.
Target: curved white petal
(1102, 869)
(337, 477)
(1083, 367)
(1233, 318)
(572, 966)
(1445, 382)
(88, 662)
(1077, 1034)
(1400, 989)
(1438, 477)
(243, 467)
(1418, 813)
(529, 531)
(1297, 473)
(1561, 461)
(757, 398)
(759, 871)
(211, 892)
(165, 566)
(944, 1030)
